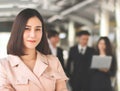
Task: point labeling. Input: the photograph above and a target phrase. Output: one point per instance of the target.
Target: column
(104, 23)
(71, 33)
(117, 13)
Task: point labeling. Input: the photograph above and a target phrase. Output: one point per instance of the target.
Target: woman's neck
(29, 59)
(102, 52)
(30, 55)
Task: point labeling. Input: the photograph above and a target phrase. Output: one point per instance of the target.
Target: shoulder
(59, 49)
(113, 57)
(52, 59)
(4, 62)
(51, 56)
(74, 47)
(48, 58)
(90, 49)
(56, 68)
(53, 62)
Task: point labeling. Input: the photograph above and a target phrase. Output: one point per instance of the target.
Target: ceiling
(82, 12)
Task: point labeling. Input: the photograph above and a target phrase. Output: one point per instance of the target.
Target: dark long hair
(15, 43)
(108, 45)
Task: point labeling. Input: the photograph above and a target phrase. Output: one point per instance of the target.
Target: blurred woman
(101, 78)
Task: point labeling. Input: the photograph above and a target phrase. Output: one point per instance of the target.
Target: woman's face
(32, 33)
(101, 45)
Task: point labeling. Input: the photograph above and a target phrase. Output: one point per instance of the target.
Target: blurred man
(80, 56)
(53, 37)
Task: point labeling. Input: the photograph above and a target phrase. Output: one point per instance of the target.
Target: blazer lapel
(26, 73)
(77, 50)
(41, 64)
(86, 52)
(23, 73)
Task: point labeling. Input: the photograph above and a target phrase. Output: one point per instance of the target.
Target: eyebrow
(39, 26)
(35, 26)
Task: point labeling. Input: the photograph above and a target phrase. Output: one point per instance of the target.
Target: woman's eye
(27, 28)
(38, 29)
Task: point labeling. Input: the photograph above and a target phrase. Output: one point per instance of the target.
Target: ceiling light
(8, 13)
(7, 6)
(35, 1)
(62, 35)
(5, 14)
(27, 6)
(24, 0)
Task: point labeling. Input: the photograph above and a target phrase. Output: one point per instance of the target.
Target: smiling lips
(31, 41)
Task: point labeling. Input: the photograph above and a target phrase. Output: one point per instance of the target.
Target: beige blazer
(16, 76)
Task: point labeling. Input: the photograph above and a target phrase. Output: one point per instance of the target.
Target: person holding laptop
(100, 80)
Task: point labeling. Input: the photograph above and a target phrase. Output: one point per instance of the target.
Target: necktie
(81, 51)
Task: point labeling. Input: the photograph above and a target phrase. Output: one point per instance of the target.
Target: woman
(101, 77)
(29, 67)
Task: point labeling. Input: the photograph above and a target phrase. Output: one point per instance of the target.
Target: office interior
(99, 17)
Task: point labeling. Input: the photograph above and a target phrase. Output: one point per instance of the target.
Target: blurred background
(99, 17)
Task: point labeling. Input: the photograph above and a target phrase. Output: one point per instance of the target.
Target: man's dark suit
(80, 76)
(60, 56)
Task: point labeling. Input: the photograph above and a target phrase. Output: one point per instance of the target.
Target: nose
(32, 33)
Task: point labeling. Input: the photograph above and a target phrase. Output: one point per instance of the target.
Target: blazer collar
(15, 60)
(80, 47)
(23, 71)
(41, 64)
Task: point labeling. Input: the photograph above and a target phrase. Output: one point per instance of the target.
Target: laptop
(99, 62)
